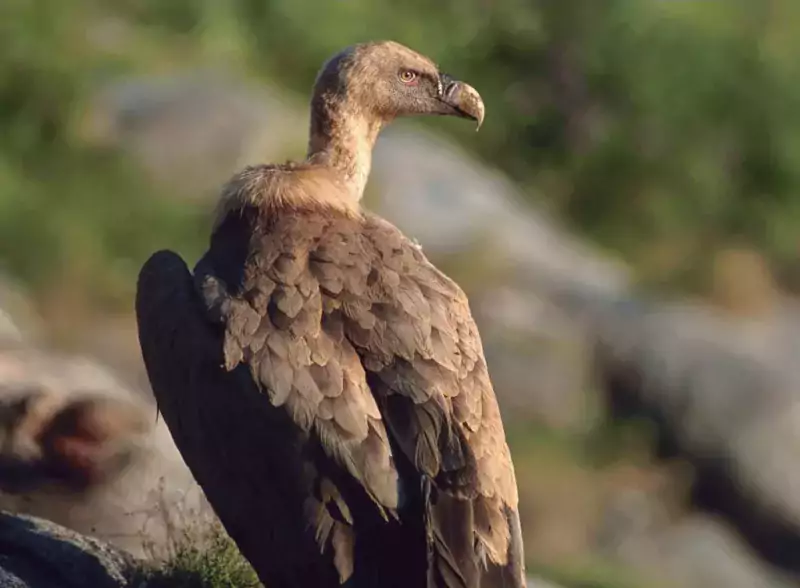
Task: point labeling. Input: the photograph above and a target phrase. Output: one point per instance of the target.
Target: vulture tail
(452, 561)
(455, 560)
(512, 574)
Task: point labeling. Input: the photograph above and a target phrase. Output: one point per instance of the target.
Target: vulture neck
(342, 137)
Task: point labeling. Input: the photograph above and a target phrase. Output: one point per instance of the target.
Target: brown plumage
(324, 381)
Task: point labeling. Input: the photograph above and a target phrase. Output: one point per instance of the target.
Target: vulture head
(383, 80)
(362, 89)
(356, 94)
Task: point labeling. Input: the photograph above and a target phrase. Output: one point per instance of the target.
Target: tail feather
(457, 557)
(450, 529)
(512, 573)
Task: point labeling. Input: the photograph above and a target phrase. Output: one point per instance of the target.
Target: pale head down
(362, 89)
(386, 79)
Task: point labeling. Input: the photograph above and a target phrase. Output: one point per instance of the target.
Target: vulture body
(323, 380)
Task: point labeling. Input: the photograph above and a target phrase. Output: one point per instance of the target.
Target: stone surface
(35, 553)
(725, 394)
(79, 448)
(694, 551)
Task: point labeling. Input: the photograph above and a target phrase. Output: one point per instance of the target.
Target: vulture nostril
(446, 82)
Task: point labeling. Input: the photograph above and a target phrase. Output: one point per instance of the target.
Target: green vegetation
(73, 219)
(200, 559)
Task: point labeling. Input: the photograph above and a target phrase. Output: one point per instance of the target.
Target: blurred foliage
(71, 216)
(664, 131)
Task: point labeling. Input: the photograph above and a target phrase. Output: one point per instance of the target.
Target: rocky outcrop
(35, 553)
(690, 551)
(80, 448)
(189, 130)
(725, 394)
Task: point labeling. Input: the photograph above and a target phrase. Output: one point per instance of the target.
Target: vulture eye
(407, 76)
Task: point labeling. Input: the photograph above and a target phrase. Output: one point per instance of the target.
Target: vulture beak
(461, 99)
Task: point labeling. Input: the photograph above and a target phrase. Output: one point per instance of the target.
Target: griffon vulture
(324, 382)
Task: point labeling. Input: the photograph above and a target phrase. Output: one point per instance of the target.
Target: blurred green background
(663, 132)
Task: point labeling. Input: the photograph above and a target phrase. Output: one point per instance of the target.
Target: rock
(724, 393)
(191, 129)
(35, 553)
(700, 552)
(8, 329)
(18, 319)
(538, 583)
(79, 448)
(695, 551)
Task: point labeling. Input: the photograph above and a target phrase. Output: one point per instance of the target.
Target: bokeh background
(626, 223)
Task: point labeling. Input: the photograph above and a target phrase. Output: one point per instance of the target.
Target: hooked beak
(461, 99)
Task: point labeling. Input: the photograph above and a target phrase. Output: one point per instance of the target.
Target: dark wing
(331, 314)
(241, 453)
